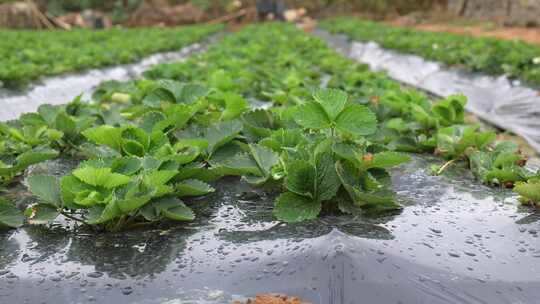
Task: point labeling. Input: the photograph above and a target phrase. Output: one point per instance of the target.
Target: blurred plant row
(27, 55)
(490, 55)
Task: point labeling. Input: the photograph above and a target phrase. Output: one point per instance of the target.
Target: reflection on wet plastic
(456, 241)
(497, 100)
(63, 89)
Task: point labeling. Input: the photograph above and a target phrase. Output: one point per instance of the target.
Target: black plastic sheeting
(500, 101)
(62, 89)
(456, 241)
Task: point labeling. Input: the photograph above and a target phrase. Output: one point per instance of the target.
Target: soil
(530, 35)
(273, 299)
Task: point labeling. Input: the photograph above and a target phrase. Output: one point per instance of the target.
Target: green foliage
(330, 110)
(10, 216)
(26, 55)
(529, 191)
(490, 55)
(148, 146)
(459, 140)
(504, 165)
(314, 173)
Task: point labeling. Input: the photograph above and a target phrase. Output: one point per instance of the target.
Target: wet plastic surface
(500, 101)
(456, 241)
(62, 89)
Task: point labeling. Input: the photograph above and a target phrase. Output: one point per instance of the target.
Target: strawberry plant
(337, 159)
(529, 191)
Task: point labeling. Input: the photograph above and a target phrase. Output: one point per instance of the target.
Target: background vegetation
(377, 7)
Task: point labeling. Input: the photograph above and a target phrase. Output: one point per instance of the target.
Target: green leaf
(41, 214)
(291, 207)
(179, 213)
(312, 115)
(65, 124)
(101, 177)
(222, 133)
(348, 152)
(105, 135)
(357, 120)
(451, 110)
(133, 202)
(126, 165)
(284, 139)
(241, 164)
(169, 207)
(178, 115)
(378, 203)
(157, 96)
(25, 160)
(258, 123)
(333, 101)
(70, 186)
(301, 178)
(327, 181)
(10, 216)
(221, 80)
(255, 180)
(158, 178)
(235, 105)
(372, 202)
(264, 157)
(88, 198)
(225, 153)
(100, 214)
(506, 159)
(193, 187)
(33, 157)
(49, 112)
(191, 93)
(45, 187)
(387, 159)
(150, 120)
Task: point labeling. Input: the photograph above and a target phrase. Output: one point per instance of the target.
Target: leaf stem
(69, 216)
(120, 223)
(446, 165)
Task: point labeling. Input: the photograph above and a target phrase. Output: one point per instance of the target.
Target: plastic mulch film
(454, 242)
(504, 103)
(64, 88)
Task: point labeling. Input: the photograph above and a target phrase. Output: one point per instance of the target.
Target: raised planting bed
(455, 241)
(269, 163)
(62, 89)
(489, 55)
(28, 55)
(501, 102)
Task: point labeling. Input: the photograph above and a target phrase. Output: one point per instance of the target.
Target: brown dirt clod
(273, 299)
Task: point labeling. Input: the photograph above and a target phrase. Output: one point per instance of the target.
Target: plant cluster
(28, 55)
(490, 55)
(268, 104)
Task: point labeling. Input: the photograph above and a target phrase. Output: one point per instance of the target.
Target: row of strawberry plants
(494, 56)
(28, 55)
(251, 106)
